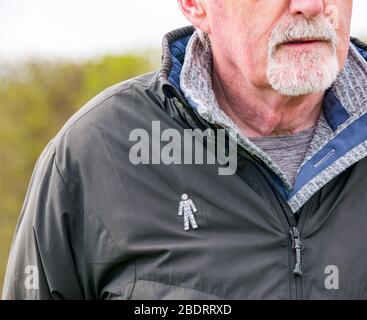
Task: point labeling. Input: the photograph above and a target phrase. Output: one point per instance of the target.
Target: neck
(260, 111)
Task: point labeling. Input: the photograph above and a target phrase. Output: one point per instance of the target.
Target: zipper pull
(298, 247)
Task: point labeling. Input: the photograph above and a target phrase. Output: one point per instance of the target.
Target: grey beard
(300, 75)
(294, 73)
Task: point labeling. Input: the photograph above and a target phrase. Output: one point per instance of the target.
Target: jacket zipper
(297, 246)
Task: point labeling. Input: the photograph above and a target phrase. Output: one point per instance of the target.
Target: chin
(302, 74)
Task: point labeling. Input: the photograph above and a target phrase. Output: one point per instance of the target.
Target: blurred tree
(36, 99)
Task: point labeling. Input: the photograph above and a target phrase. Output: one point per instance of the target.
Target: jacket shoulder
(106, 121)
(120, 95)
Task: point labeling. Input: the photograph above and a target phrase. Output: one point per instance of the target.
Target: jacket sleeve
(41, 263)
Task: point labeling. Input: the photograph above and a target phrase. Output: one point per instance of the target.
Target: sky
(78, 29)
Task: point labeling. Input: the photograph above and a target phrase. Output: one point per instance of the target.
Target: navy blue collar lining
(334, 112)
(178, 51)
(345, 141)
(362, 52)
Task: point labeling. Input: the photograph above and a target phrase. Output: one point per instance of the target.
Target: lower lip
(304, 44)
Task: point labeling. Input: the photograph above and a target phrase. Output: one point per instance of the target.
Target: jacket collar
(173, 54)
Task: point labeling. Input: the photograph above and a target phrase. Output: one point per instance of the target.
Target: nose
(309, 8)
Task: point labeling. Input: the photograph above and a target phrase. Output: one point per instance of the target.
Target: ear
(196, 12)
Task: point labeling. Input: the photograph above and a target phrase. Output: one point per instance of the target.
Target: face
(294, 46)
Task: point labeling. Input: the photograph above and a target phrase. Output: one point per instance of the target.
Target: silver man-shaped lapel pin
(187, 208)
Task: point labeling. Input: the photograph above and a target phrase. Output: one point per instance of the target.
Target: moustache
(291, 30)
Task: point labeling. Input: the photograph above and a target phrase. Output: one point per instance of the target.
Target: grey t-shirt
(287, 152)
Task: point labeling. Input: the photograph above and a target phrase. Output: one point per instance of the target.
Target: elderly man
(288, 223)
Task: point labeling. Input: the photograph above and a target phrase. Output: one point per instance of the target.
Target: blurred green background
(36, 98)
